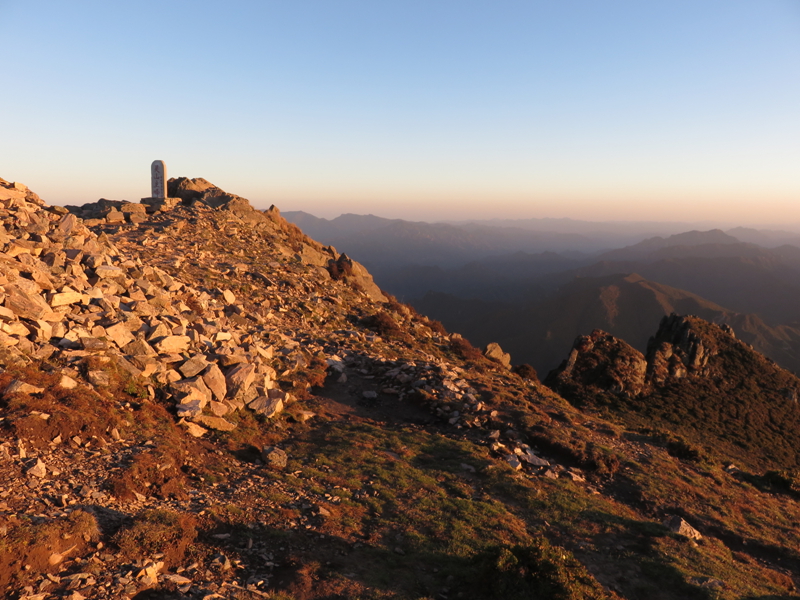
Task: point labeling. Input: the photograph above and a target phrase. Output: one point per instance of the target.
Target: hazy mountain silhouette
(627, 306)
(387, 243)
(490, 282)
(762, 281)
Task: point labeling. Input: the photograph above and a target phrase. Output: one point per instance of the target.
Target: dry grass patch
(29, 548)
(158, 532)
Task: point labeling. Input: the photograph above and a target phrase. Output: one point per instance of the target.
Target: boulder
(495, 353)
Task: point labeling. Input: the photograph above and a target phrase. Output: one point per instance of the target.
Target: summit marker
(159, 201)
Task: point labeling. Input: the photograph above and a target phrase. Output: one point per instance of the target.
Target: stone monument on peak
(159, 201)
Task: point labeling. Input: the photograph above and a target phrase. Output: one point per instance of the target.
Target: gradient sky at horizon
(660, 110)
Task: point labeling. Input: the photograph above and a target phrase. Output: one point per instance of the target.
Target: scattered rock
(677, 525)
(38, 470)
(494, 352)
(217, 423)
(20, 387)
(274, 457)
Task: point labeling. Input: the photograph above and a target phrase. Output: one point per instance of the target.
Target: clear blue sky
(678, 110)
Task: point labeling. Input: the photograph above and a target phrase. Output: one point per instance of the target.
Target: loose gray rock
(677, 525)
(274, 457)
(495, 352)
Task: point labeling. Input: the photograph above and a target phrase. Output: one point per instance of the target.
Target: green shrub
(536, 570)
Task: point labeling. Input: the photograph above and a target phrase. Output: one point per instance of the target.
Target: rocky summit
(199, 401)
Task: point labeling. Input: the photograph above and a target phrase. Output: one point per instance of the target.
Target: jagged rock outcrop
(603, 363)
(600, 363)
(201, 191)
(678, 350)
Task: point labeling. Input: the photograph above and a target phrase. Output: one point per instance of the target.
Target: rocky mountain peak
(683, 347)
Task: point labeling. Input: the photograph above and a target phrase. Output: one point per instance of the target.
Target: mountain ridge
(200, 401)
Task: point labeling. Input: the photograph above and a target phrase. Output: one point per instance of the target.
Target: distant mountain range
(534, 292)
(391, 242)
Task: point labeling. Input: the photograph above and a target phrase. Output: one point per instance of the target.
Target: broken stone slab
(7, 315)
(677, 525)
(172, 343)
(68, 383)
(280, 394)
(125, 365)
(219, 409)
(193, 366)
(494, 352)
(120, 335)
(190, 408)
(66, 298)
(217, 423)
(274, 457)
(139, 348)
(109, 272)
(25, 304)
(191, 389)
(20, 387)
(301, 416)
(99, 378)
(194, 429)
(240, 378)
(529, 457)
(42, 331)
(92, 344)
(514, 462)
(38, 470)
(18, 329)
(215, 380)
(264, 405)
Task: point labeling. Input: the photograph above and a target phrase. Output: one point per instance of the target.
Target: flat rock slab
(193, 366)
(215, 381)
(240, 378)
(264, 405)
(110, 272)
(173, 343)
(217, 423)
(121, 336)
(25, 305)
(65, 298)
(20, 387)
